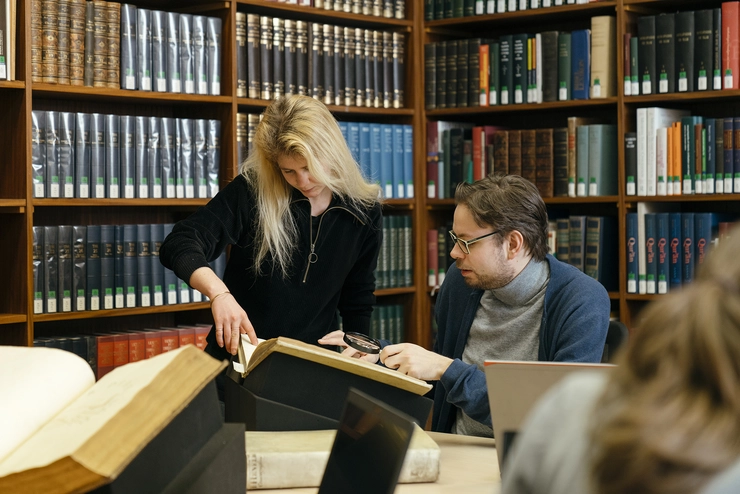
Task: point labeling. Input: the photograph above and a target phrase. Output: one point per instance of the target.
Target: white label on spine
(80, 303)
(179, 191)
(113, 192)
(144, 191)
(51, 305)
(593, 189)
(84, 191)
(202, 87)
(647, 88)
(38, 306)
(128, 191)
(38, 190)
(728, 81)
(99, 191)
(189, 191)
(94, 303)
(69, 190)
(171, 297)
(146, 83)
(158, 298)
(157, 191)
(202, 191)
(184, 296)
(189, 87)
(130, 300)
(175, 85)
(702, 83)
(563, 94)
(627, 88)
(215, 88)
(501, 6)
(119, 301)
(162, 85)
(171, 191)
(130, 82)
(108, 302)
(54, 190)
(145, 300)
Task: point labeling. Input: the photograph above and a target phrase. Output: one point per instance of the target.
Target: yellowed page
(76, 427)
(246, 349)
(35, 384)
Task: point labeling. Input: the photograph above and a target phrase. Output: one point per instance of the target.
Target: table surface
(467, 465)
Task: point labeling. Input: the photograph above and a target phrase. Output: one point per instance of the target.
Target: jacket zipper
(312, 256)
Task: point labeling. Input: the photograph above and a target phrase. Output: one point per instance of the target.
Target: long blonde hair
(670, 417)
(298, 127)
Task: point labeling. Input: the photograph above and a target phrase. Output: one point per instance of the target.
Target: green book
(564, 68)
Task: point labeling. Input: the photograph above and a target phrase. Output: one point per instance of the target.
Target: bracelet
(218, 295)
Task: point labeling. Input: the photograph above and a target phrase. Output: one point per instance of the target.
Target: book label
(158, 298)
(596, 89)
(728, 185)
(95, 302)
(736, 187)
(647, 88)
(171, 191)
(662, 286)
(51, 304)
(108, 301)
(719, 185)
(563, 92)
(99, 191)
(203, 191)
(501, 7)
(190, 87)
(67, 304)
(493, 95)
(709, 186)
(180, 191)
(522, 4)
(162, 85)
(631, 189)
(512, 6)
(113, 192)
(518, 96)
(38, 190)
(54, 189)
(128, 191)
(202, 87)
(175, 85)
(157, 191)
(687, 189)
(581, 189)
(701, 82)
(144, 191)
(728, 79)
(197, 296)
(146, 300)
(504, 95)
(130, 82)
(546, 3)
(80, 300)
(663, 84)
(683, 83)
(650, 285)
(69, 190)
(635, 87)
(146, 83)
(190, 191)
(184, 294)
(717, 82)
(84, 191)
(38, 306)
(120, 301)
(131, 300)
(627, 87)
(215, 88)
(593, 189)
(571, 189)
(171, 297)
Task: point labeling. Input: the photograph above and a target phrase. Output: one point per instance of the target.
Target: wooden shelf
(524, 107)
(322, 15)
(138, 311)
(12, 318)
(630, 201)
(117, 202)
(696, 96)
(384, 292)
(261, 104)
(12, 206)
(12, 84)
(78, 93)
(447, 203)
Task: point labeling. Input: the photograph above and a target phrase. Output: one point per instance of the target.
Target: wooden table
(467, 465)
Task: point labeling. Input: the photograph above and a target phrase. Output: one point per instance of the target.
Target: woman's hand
(230, 321)
(336, 338)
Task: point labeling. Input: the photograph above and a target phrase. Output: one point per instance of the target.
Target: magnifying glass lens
(362, 342)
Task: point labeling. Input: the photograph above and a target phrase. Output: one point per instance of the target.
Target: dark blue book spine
(120, 298)
(144, 290)
(107, 265)
(688, 247)
(662, 254)
(112, 156)
(52, 154)
(127, 144)
(674, 249)
(38, 270)
(155, 164)
(705, 227)
(79, 277)
(155, 242)
(64, 251)
(365, 150)
(710, 130)
(51, 268)
(633, 250)
(729, 158)
(97, 155)
(130, 265)
(650, 252)
(93, 267)
(581, 63)
(170, 279)
(66, 154)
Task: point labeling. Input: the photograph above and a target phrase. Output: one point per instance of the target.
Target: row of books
(386, 323)
(106, 351)
(590, 244)
(586, 242)
(390, 9)
(683, 52)
(450, 9)
(522, 68)
(110, 156)
(395, 261)
(664, 249)
(7, 40)
(107, 44)
(334, 64)
(577, 160)
(94, 267)
(674, 153)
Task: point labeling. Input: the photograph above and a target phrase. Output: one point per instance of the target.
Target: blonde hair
(670, 417)
(298, 127)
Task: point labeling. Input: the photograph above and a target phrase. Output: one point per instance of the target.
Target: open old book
(63, 432)
(251, 355)
(277, 460)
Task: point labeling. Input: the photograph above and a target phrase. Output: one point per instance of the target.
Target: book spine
(289, 54)
(370, 54)
(153, 158)
(461, 99)
(430, 76)
(52, 154)
(408, 160)
(128, 46)
(253, 56)
(143, 50)
(186, 158)
(670, 44)
(127, 133)
(187, 74)
(544, 157)
(515, 152)
(301, 50)
(66, 154)
(266, 58)
(159, 53)
(79, 268)
(650, 246)
(646, 54)
(144, 290)
(583, 144)
(141, 139)
(633, 248)
(130, 265)
(38, 153)
(703, 49)
(170, 280)
(685, 39)
(200, 159)
(688, 246)
(241, 54)
(730, 41)
(327, 47)
(214, 54)
(76, 42)
(350, 81)
(38, 266)
(93, 267)
(719, 156)
(82, 153)
(581, 63)
(200, 62)
(65, 266)
(100, 48)
(565, 74)
(359, 67)
(118, 288)
(113, 33)
(168, 157)
(49, 41)
(107, 265)
(157, 284)
(717, 49)
(630, 162)
(213, 155)
(386, 53)
(172, 50)
(51, 268)
(560, 162)
(89, 44)
(728, 153)
(97, 155)
(112, 156)
(36, 40)
(339, 63)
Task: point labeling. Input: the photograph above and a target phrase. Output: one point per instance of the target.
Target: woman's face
(295, 171)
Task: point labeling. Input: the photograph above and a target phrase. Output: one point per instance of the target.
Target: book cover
(52, 154)
(671, 46)
(107, 266)
(703, 49)
(93, 269)
(159, 50)
(602, 160)
(112, 156)
(187, 74)
(66, 268)
(200, 158)
(675, 249)
(119, 297)
(649, 243)
(157, 284)
(130, 265)
(113, 33)
(730, 44)
(632, 253)
(601, 258)
(565, 69)
(685, 52)
(604, 56)
(200, 55)
(66, 154)
(143, 50)
(646, 54)
(213, 55)
(79, 273)
(580, 63)
(662, 252)
(38, 153)
(97, 155)
(254, 64)
(144, 267)
(154, 178)
(172, 50)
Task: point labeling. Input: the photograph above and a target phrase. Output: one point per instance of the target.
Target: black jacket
(303, 305)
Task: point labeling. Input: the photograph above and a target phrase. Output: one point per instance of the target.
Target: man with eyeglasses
(505, 298)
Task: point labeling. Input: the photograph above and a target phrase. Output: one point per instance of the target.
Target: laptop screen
(369, 447)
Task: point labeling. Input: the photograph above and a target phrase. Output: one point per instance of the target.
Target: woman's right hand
(230, 321)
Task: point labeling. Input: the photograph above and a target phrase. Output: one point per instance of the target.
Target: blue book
(633, 249)
(375, 153)
(353, 140)
(344, 129)
(120, 300)
(386, 160)
(687, 247)
(736, 159)
(650, 251)
(144, 266)
(107, 265)
(170, 279)
(93, 267)
(580, 63)
(706, 229)
(365, 149)
(408, 160)
(662, 254)
(674, 251)
(399, 188)
(710, 127)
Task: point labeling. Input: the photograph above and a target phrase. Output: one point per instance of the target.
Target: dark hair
(508, 203)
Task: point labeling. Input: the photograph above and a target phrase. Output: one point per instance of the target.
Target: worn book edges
(285, 459)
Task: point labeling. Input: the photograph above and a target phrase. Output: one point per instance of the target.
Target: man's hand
(336, 338)
(231, 321)
(415, 361)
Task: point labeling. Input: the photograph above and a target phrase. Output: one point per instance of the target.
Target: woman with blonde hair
(667, 419)
(304, 228)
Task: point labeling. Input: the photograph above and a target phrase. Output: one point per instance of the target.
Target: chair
(616, 336)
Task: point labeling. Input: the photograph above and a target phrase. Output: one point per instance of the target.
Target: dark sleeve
(206, 233)
(358, 291)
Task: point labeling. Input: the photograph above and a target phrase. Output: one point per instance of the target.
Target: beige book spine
(603, 57)
(36, 41)
(77, 42)
(113, 60)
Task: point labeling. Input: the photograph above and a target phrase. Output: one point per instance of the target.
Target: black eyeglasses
(465, 244)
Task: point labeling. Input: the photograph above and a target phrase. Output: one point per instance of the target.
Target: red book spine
(153, 340)
(730, 48)
(120, 349)
(136, 347)
(170, 340)
(105, 354)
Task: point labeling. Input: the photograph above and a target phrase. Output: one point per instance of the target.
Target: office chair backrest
(616, 336)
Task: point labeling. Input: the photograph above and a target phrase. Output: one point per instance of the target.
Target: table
(468, 465)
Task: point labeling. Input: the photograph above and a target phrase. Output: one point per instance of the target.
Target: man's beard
(489, 282)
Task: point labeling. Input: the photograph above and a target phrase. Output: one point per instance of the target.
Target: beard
(490, 281)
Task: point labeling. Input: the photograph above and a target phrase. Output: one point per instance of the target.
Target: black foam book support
(285, 392)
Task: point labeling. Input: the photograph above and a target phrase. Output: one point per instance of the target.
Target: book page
(246, 349)
(35, 384)
(153, 391)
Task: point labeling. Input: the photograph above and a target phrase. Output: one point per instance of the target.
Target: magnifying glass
(362, 342)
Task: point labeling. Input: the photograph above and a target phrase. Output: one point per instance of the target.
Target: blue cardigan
(575, 320)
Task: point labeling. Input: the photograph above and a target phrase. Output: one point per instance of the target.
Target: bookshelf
(20, 210)
(620, 110)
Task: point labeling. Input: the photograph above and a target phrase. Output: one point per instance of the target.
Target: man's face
(487, 266)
